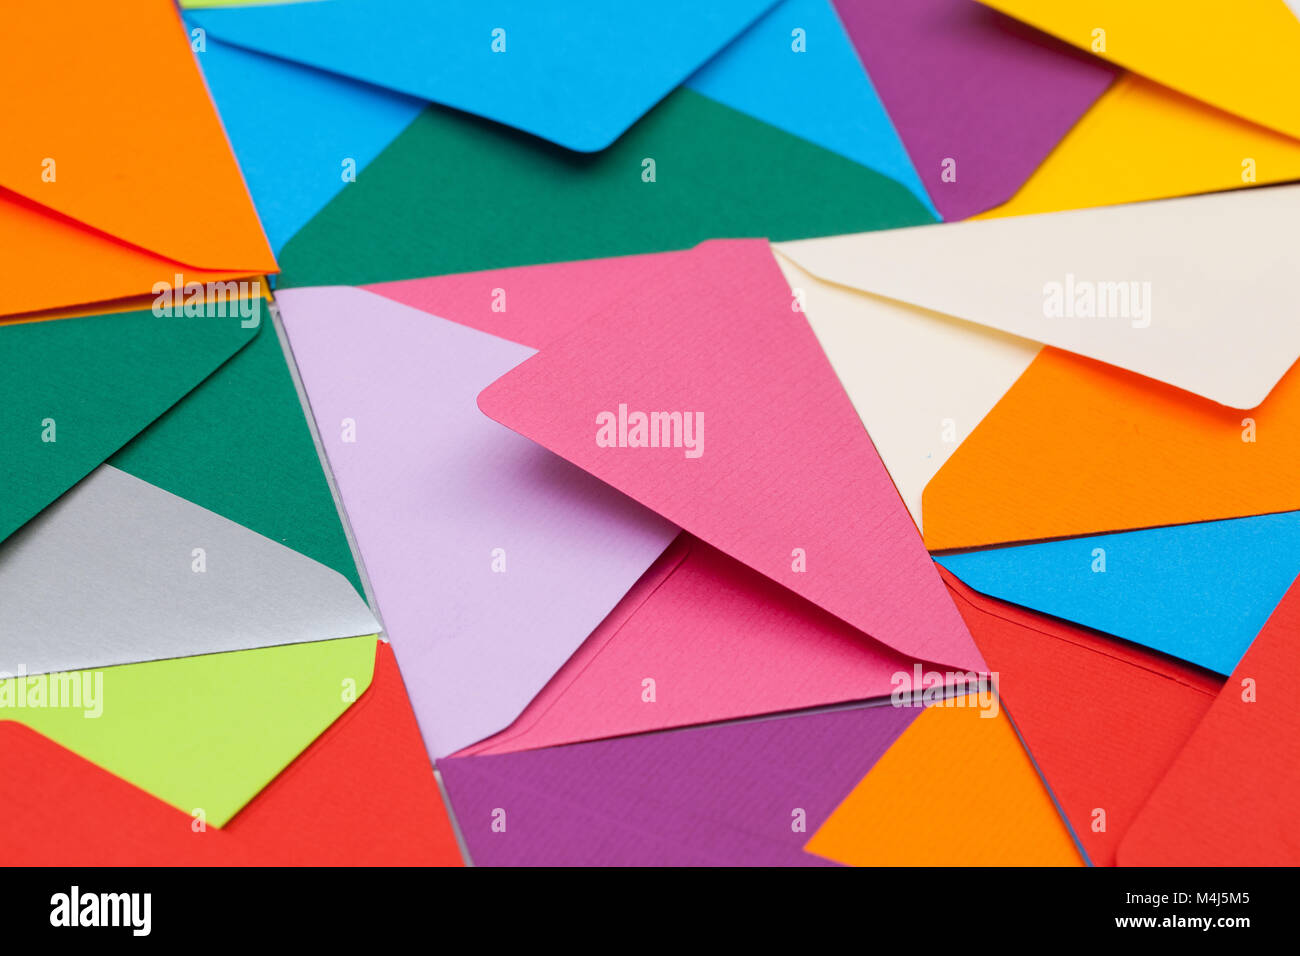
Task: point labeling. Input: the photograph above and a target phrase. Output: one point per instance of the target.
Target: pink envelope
(753, 445)
(719, 642)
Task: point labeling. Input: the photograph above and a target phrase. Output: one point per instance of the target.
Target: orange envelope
(1232, 795)
(98, 201)
(1076, 447)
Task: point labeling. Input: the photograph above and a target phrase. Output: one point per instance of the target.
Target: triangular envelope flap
(118, 571)
(1248, 69)
(80, 388)
(205, 732)
(577, 73)
(761, 454)
(159, 175)
(1153, 288)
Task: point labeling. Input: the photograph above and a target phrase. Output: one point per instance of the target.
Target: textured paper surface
(1199, 592)
(365, 781)
(70, 375)
(1218, 272)
(502, 199)
(433, 489)
(109, 171)
(719, 641)
(964, 84)
(1228, 798)
(577, 73)
(206, 732)
(726, 795)
(786, 463)
(107, 575)
(956, 789)
(1111, 451)
(1248, 72)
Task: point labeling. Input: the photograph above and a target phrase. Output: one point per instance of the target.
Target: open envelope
(221, 497)
(388, 812)
(756, 450)
(968, 305)
(491, 559)
(1075, 698)
(793, 69)
(1237, 776)
(91, 209)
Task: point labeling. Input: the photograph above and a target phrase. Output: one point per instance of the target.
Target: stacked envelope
(783, 433)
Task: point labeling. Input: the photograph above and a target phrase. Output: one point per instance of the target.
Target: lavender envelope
(491, 559)
(966, 84)
(747, 793)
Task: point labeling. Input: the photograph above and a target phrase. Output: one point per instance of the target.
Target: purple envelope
(741, 794)
(968, 84)
(491, 559)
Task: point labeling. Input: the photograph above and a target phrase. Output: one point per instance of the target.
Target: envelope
(388, 813)
(1174, 146)
(491, 559)
(769, 456)
(979, 100)
(299, 148)
(1136, 454)
(720, 641)
(1199, 592)
(955, 789)
(84, 182)
(1075, 698)
(925, 361)
(1249, 73)
(225, 486)
(577, 75)
(742, 794)
(700, 639)
(1237, 775)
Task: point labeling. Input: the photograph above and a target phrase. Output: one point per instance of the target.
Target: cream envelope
(928, 327)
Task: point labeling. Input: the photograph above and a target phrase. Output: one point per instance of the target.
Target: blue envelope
(1200, 592)
(305, 110)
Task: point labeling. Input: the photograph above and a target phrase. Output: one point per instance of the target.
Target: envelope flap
(577, 73)
(1153, 288)
(757, 449)
(118, 571)
(159, 175)
(1239, 57)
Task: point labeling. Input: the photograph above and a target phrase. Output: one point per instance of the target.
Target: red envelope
(1102, 718)
(362, 794)
(1232, 796)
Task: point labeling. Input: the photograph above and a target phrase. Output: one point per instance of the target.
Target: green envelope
(454, 193)
(205, 409)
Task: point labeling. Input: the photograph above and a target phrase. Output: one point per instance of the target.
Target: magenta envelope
(715, 638)
(742, 794)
